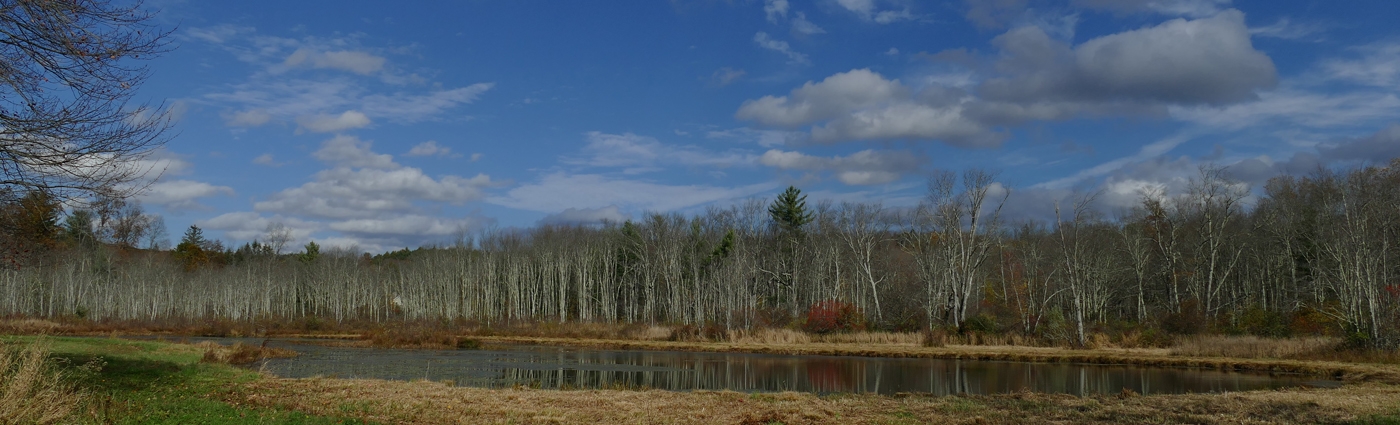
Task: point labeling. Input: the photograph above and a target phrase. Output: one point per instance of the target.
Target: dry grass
(32, 389)
(1253, 347)
(240, 353)
(769, 336)
(425, 402)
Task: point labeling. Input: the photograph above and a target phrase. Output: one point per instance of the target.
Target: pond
(501, 366)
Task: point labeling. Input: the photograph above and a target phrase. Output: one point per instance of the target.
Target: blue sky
(361, 125)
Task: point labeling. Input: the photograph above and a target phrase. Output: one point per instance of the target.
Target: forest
(1303, 255)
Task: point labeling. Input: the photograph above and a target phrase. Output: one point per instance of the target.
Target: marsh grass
(240, 353)
(33, 388)
(1253, 347)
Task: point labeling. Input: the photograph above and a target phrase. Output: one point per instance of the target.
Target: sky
(372, 127)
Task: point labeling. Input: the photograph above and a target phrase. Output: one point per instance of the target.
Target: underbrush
(33, 388)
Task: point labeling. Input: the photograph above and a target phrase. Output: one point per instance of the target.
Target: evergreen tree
(789, 210)
(191, 250)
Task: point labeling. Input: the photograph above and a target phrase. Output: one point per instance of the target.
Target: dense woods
(1303, 255)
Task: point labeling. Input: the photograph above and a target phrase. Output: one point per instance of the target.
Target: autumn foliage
(833, 316)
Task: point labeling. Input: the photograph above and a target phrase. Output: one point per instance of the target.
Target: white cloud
(248, 226)
(586, 216)
(248, 118)
(344, 193)
(409, 109)
(1286, 29)
(802, 26)
(559, 191)
(1378, 65)
(834, 96)
(763, 138)
(354, 61)
(867, 167)
(775, 9)
(181, 194)
(1035, 78)
(409, 225)
(429, 148)
(322, 123)
(1190, 8)
(892, 52)
(1213, 62)
(767, 42)
(638, 154)
(725, 76)
(866, 10)
(475, 157)
(266, 159)
(350, 151)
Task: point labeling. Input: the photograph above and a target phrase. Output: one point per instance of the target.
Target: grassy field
(113, 381)
(107, 380)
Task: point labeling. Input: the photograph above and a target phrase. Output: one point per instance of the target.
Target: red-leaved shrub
(833, 316)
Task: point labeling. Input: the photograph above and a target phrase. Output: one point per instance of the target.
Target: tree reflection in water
(570, 368)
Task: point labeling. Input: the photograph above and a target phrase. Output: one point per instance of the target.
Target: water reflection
(565, 368)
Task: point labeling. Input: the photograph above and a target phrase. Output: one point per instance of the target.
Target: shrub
(833, 316)
(1187, 321)
(981, 323)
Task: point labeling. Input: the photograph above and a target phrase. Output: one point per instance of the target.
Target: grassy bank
(121, 381)
(435, 403)
(112, 381)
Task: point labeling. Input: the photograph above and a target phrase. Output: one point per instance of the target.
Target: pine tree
(789, 210)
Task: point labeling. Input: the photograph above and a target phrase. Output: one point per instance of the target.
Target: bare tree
(66, 78)
(277, 236)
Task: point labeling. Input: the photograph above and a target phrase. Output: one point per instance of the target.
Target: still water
(566, 367)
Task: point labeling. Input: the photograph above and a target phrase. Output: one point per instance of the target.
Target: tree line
(1310, 254)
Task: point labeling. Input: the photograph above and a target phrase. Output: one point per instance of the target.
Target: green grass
(144, 382)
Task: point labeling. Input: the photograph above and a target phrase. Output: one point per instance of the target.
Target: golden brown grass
(240, 353)
(426, 402)
(32, 388)
(1253, 347)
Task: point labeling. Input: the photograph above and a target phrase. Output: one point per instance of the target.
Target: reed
(32, 387)
(1253, 347)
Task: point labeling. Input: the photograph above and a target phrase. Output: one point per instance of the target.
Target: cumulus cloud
(322, 123)
(1181, 63)
(867, 167)
(363, 184)
(1202, 61)
(350, 151)
(354, 61)
(861, 104)
(181, 194)
(765, 41)
(345, 193)
(994, 14)
(585, 216)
